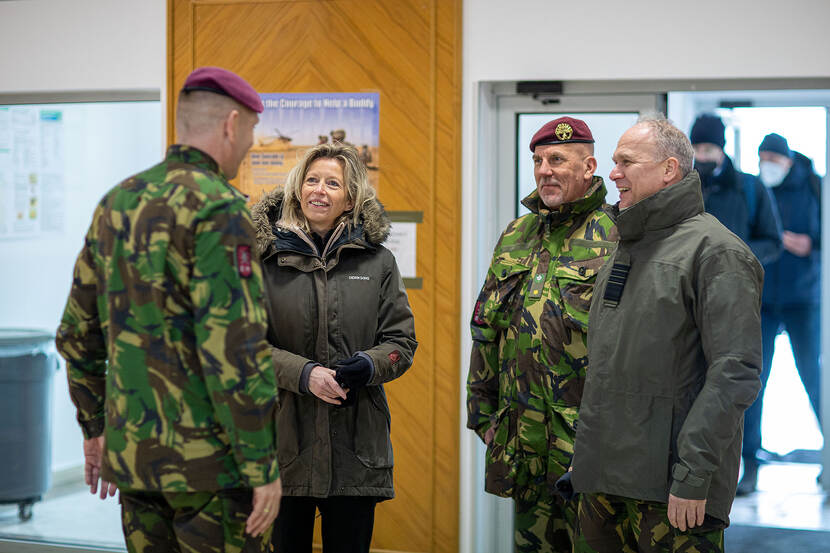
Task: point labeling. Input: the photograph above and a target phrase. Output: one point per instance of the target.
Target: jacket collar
(371, 231)
(592, 199)
(800, 171)
(727, 177)
(666, 208)
(193, 156)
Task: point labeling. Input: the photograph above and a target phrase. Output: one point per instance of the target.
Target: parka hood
(266, 212)
(800, 172)
(664, 209)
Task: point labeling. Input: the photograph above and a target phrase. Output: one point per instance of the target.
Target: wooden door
(409, 51)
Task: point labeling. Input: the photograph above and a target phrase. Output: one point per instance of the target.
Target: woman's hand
(322, 384)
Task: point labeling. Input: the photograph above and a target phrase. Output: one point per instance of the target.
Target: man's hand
(93, 457)
(686, 513)
(322, 384)
(265, 509)
(797, 244)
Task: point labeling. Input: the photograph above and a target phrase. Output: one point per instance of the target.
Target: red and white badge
(243, 261)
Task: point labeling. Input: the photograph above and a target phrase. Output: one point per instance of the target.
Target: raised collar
(666, 208)
(298, 241)
(592, 199)
(193, 156)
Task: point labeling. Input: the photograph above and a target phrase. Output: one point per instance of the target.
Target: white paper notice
(402, 243)
(32, 189)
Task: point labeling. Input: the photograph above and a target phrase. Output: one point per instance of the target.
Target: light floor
(788, 496)
(67, 515)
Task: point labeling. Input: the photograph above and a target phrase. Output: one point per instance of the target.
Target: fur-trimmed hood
(266, 212)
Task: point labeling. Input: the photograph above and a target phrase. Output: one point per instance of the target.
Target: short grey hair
(670, 141)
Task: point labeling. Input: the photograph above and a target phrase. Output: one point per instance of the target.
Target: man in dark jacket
(791, 292)
(674, 337)
(737, 199)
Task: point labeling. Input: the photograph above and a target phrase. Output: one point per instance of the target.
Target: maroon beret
(222, 81)
(565, 130)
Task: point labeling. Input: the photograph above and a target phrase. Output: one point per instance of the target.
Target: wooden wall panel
(410, 52)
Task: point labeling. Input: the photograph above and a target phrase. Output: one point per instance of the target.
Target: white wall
(71, 45)
(57, 46)
(644, 39)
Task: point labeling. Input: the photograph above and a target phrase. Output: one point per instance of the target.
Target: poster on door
(32, 194)
(293, 123)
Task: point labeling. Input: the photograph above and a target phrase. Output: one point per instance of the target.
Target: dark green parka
(676, 362)
(324, 307)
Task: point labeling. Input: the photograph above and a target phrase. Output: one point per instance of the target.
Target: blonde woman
(340, 326)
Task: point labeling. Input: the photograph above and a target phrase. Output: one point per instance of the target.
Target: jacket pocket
(501, 462)
(372, 443)
(635, 441)
(500, 298)
(288, 428)
(575, 280)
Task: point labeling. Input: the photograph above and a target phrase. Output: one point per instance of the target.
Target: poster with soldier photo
(293, 123)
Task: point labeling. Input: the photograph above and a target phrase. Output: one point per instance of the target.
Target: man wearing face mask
(791, 284)
(738, 200)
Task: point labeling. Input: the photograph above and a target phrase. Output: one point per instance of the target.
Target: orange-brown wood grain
(409, 51)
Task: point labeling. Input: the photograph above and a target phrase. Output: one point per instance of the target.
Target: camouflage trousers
(192, 522)
(613, 524)
(546, 523)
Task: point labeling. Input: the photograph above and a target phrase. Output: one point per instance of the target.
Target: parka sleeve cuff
(289, 369)
(686, 485)
(304, 376)
(364, 355)
(389, 361)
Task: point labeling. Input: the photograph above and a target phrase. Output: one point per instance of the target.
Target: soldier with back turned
(164, 339)
(529, 328)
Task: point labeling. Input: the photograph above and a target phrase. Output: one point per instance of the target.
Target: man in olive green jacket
(674, 343)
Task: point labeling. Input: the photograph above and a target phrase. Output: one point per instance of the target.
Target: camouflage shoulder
(604, 217)
(205, 188)
(519, 233)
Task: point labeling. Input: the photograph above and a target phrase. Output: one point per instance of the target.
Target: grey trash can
(27, 362)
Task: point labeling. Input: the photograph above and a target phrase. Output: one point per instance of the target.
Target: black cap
(774, 142)
(710, 129)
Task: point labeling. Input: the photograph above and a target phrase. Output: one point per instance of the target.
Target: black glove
(352, 373)
(564, 486)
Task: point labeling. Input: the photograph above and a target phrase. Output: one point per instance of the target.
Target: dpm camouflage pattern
(546, 525)
(190, 522)
(529, 330)
(613, 524)
(164, 333)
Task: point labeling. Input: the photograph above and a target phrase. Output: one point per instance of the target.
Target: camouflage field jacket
(164, 333)
(529, 332)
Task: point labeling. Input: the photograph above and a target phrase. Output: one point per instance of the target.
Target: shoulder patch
(243, 260)
(478, 314)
